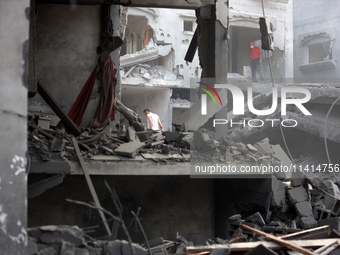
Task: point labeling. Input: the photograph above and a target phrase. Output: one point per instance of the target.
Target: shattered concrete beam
(193, 4)
(316, 125)
(133, 118)
(144, 56)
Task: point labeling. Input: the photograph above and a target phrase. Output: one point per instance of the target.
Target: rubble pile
(72, 240)
(206, 148)
(302, 209)
(54, 143)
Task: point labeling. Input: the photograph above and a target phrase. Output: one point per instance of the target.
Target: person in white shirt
(154, 121)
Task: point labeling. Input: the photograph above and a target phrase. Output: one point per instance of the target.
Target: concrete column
(213, 50)
(115, 55)
(14, 29)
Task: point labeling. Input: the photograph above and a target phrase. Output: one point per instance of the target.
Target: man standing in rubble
(256, 61)
(154, 121)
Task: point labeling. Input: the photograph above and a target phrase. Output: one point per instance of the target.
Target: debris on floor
(72, 240)
(54, 143)
(300, 215)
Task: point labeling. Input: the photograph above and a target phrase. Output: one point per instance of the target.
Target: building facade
(316, 25)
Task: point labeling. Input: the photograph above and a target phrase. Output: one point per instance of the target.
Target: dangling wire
(272, 80)
(326, 134)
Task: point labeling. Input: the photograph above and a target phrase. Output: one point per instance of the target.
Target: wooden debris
(285, 243)
(314, 233)
(247, 246)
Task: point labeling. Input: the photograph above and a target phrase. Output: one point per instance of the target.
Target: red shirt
(255, 53)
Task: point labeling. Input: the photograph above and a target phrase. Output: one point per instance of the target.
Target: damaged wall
(245, 14)
(316, 26)
(169, 205)
(66, 40)
(157, 100)
(14, 27)
(168, 69)
(174, 33)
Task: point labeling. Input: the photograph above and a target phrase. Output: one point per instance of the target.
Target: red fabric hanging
(78, 109)
(106, 107)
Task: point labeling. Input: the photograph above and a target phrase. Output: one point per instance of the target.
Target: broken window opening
(318, 52)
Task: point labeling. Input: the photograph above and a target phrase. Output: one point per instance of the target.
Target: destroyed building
(243, 21)
(152, 62)
(54, 54)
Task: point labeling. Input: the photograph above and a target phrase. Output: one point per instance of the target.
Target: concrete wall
(13, 134)
(168, 29)
(67, 38)
(169, 205)
(246, 14)
(155, 99)
(313, 18)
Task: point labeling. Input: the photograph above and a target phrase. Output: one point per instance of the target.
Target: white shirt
(154, 120)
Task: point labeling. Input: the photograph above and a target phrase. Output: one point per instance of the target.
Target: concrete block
(129, 149)
(56, 234)
(308, 222)
(265, 146)
(131, 134)
(304, 209)
(67, 248)
(297, 179)
(334, 223)
(123, 248)
(297, 195)
(256, 218)
(278, 193)
(44, 122)
(204, 140)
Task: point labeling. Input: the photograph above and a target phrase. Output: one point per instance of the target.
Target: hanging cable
(272, 80)
(326, 134)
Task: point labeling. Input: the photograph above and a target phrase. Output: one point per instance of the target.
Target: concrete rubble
(296, 210)
(73, 240)
(295, 201)
(178, 146)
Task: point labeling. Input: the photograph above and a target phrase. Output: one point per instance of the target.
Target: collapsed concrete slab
(129, 149)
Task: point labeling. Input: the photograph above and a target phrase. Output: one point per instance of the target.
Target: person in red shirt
(256, 61)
